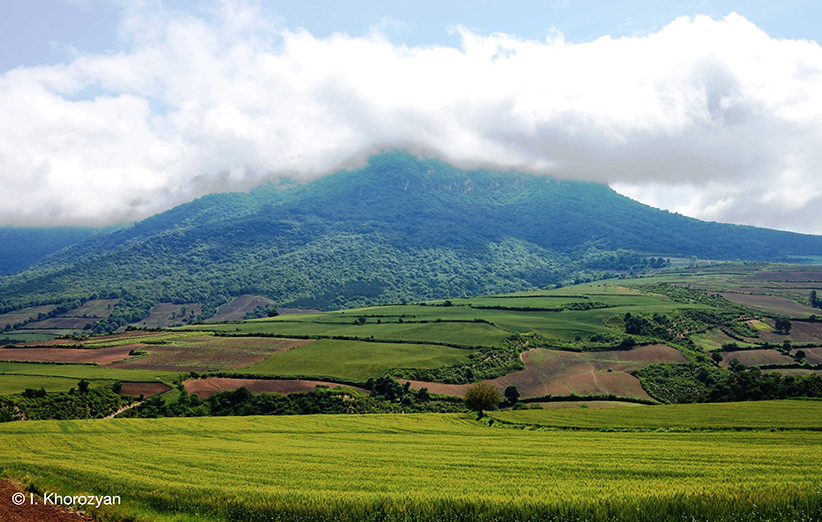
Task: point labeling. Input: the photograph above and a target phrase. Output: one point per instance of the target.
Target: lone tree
(511, 394)
(783, 325)
(481, 397)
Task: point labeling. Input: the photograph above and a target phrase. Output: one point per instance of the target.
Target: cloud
(711, 118)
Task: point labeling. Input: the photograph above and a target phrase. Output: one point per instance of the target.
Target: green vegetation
(85, 371)
(80, 403)
(14, 384)
(387, 396)
(407, 229)
(795, 415)
(421, 467)
(355, 360)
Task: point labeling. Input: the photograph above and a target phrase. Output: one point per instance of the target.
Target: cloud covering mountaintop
(711, 118)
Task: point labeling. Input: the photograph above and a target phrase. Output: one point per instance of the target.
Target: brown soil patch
(69, 355)
(584, 404)
(755, 357)
(772, 304)
(236, 309)
(208, 387)
(19, 316)
(553, 372)
(812, 355)
(146, 389)
(208, 352)
(62, 323)
(163, 315)
(100, 308)
(32, 513)
(801, 332)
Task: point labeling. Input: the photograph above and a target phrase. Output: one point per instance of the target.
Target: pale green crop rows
(416, 467)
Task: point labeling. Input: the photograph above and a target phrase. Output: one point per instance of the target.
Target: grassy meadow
(355, 360)
(758, 415)
(416, 467)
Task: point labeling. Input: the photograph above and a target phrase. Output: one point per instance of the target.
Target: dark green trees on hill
(399, 229)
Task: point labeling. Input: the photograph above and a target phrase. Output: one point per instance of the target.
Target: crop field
(208, 387)
(554, 372)
(464, 333)
(94, 308)
(85, 371)
(207, 352)
(771, 304)
(563, 405)
(714, 339)
(13, 384)
(146, 389)
(72, 355)
(61, 323)
(457, 324)
(236, 309)
(812, 355)
(419, 467)
(756, 357)
(164, 315)
(801, 332)
(26, 313)
(786, 414)
(357, 360)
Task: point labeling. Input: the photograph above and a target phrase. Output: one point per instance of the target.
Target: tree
(783, 325)
(481, 397)
(815, 301)
(800, 354)
(82, 386)
(716, 356)
(512, 394)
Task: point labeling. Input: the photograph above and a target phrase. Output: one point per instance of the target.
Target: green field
(356, 360)
(85, 371)
(457, 323)
(12, 384)
(415, 467)
(798, 414)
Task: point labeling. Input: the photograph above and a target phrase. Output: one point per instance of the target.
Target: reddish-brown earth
(9, 512)
(208, 352)
(236, 309)
(69, 355)
(146, 389)
(756, 357)
(208, 387)
(554, 372)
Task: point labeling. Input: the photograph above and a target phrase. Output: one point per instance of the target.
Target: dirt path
(9, 512)
(124, 408)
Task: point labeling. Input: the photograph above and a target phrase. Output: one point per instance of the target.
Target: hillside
(23, 247)
(401, 228)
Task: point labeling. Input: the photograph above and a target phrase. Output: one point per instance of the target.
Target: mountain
(400, 228)
(21, 247)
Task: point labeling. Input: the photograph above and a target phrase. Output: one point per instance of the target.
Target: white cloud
(711, 118)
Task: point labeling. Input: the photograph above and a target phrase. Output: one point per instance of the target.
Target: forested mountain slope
(401, 228)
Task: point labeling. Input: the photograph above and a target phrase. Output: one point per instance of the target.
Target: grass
(356, 360)
(564, 325)
(85, 371)
(415, 467)
(790, 414)
(13, 384)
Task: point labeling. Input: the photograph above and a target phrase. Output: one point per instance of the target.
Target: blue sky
(49, 31)
(113, 110)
